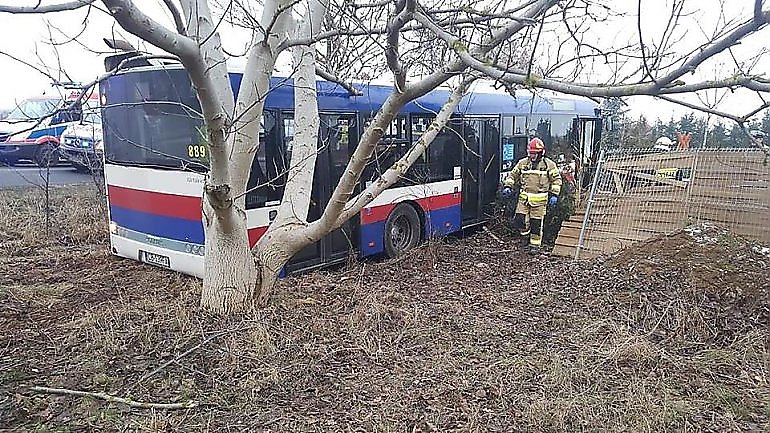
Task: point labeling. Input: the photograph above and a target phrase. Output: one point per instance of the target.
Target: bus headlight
(113, 228)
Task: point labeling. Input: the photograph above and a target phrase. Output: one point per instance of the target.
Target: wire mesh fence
(639, 194)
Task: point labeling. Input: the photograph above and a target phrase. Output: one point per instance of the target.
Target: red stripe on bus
(440, 201)
(376, 213)
(255, 234)
(157, 203)
(380, 213)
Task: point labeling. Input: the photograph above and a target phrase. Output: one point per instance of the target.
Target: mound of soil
(460, 335)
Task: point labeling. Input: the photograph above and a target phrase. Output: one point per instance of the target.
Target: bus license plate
(154, 259)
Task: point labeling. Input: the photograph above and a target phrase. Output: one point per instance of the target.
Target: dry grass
(454, 337)
(77, 215)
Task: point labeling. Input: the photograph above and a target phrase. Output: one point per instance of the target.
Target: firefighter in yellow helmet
(540, 181)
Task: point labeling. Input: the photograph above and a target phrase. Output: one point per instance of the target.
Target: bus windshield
(153, 118)
(33, 109)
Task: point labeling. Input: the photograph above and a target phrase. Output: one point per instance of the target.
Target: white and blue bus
(155, 162)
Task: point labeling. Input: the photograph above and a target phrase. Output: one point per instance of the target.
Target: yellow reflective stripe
(554, 172)
(534, 196)
(538, 172)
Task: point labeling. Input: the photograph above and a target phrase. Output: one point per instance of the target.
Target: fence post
(691, 184)
(590, 202)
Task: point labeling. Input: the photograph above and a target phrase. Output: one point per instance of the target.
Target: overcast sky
(27, 37)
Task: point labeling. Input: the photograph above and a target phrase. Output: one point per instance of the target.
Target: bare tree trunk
(231, 276)
(255, 86)
(288, 233)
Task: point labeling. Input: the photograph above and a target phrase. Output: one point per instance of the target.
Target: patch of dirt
(463, 334)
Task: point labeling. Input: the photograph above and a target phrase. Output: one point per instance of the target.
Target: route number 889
(196, 151)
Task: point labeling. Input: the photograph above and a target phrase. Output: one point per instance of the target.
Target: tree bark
(288, 233)
(255, 85)
(231, 275)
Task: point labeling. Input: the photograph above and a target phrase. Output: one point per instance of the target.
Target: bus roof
(333, 97)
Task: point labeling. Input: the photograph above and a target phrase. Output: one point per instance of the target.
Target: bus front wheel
(402, 230)
(47, 155)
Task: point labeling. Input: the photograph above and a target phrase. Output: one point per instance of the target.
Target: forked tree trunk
(232, 276)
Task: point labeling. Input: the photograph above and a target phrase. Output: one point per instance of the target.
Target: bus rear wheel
(402, 230)
(47, 155)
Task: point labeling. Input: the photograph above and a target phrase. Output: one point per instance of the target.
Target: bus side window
(336, 131)
(507, 125)
(445, 153)
(389, 149)
(268, 170)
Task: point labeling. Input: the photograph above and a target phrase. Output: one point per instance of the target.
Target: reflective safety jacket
(537, 180)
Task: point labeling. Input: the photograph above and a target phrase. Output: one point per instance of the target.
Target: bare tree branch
(39, 9)
(333, 78)
(726, 115)
(136, 22)
(520, 77)
(178, 20)
(405, 11)
(399, 168)
(372, 31)
(717, 47)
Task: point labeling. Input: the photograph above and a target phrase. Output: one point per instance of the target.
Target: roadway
(30, 175)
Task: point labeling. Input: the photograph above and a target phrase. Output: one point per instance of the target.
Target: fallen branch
(104, 396)
(494, 236)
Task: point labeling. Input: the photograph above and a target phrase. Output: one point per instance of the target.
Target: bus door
(481, 166)
(338, 135)
(585, 147)
(337, 140)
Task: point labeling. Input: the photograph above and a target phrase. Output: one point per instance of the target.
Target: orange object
(683, 140)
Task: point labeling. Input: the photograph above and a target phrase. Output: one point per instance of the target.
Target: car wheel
(402, 230)
(47, 155)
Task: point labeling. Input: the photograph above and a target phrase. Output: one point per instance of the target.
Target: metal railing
(638, 194)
